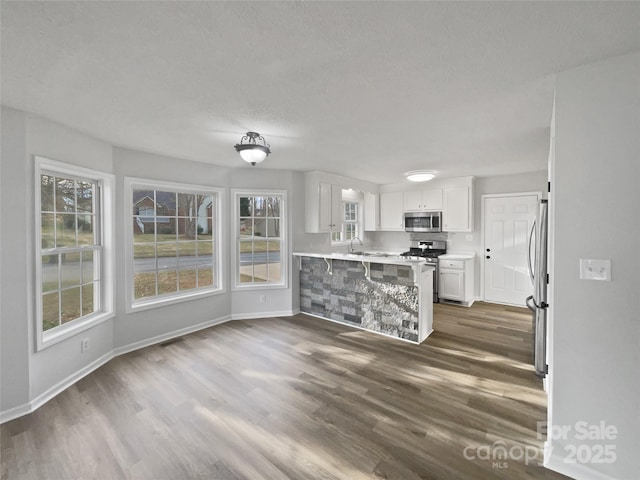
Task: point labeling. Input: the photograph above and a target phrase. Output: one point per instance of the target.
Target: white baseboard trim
(62, 385)
(15, 412)
(147, 342)
(55, 389)
(582, 471)
(250, 316)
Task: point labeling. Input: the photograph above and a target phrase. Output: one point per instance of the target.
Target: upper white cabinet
(428, 199)
(371, 211)
(391, 211)
(457, 207)
(322, 206)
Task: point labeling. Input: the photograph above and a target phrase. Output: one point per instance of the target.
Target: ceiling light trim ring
(420, 175)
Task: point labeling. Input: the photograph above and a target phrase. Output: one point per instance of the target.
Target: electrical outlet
(263, 298)
(84, 345)
(594, 269)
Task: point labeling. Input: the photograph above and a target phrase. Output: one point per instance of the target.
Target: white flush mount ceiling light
(250, 150)
(420, 175)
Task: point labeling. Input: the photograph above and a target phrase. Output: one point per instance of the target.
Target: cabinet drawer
(455, 264)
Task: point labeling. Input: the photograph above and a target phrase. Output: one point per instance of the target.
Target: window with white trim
(350, 225)
(260, 238)
(173, 241)
(74, 241)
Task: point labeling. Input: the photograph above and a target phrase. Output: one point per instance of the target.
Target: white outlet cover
(595, 269)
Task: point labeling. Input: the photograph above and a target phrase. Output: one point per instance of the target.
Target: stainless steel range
(430, 250)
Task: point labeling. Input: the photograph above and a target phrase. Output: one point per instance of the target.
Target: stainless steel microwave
(423, 221)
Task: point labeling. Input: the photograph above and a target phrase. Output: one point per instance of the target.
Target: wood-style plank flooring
(298, 398)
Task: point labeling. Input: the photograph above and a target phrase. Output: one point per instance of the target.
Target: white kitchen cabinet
(323, 203)
(451, 285)
(428, 199)
(457, 208)
(391, 211)
(371, 211)
(455, 284)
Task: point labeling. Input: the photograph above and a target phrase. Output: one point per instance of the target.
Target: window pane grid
(173, 238)
(68, 223)
(259, 258)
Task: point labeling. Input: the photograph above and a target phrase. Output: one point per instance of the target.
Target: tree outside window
(174, 241)
(259, 239)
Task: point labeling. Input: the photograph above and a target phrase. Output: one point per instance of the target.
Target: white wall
(136, 328)
(28, 375)
(595, 326)
(278, 301)
(14, 320)
(467, 242)
(29, 378)
(524, 182)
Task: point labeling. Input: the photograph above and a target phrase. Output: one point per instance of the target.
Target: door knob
(487, 257)
(488, 249)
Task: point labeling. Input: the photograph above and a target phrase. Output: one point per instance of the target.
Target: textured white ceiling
(364, 89)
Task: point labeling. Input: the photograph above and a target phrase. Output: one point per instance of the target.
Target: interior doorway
(507, 223)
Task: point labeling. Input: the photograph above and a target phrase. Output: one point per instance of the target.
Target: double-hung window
(350, 224)
(173, 242)
(74, 261)
(260, 240)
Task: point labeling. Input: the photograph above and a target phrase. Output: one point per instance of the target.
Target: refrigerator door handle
(533, 229)
(530, 303)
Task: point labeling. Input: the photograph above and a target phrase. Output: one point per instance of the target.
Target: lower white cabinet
(451, 285)
(456, 279)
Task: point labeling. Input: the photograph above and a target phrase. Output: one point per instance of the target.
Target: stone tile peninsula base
(389, 296)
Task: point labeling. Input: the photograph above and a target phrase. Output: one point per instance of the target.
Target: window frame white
(235, 240)
(131, 305)
(359, 223)
(106, 234)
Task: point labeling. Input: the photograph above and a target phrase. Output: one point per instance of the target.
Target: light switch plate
(595, 269)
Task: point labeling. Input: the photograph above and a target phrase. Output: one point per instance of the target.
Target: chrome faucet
(351, 245)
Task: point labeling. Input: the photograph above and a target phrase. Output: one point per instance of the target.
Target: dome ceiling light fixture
(250, 150)
(420, 175)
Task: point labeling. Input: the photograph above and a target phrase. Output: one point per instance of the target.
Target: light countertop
(371, 257)
(457, 256)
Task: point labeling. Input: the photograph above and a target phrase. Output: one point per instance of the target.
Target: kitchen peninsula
(386, 294)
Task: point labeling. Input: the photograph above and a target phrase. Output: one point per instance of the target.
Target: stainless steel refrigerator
(537, 302)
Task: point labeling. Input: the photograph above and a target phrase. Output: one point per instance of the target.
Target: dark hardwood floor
(299, 398)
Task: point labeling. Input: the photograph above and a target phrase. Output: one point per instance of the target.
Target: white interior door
(507, 224)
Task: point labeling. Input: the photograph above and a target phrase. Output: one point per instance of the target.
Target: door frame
(483, 197)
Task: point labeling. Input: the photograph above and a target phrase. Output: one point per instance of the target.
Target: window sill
(156, 302)
(258, 286)
(64, 332)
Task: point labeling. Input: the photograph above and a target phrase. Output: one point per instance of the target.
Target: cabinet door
(412, 200)
(330, 206)
(325, 207)
(432, 199)
(371, 212)
(456, 212)
(391, 210)
(451, 285)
